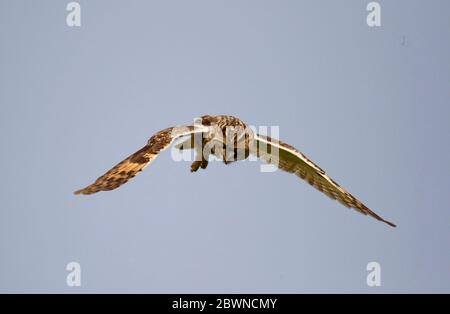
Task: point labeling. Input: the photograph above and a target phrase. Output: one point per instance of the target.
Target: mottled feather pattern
(122, 172)
(293, 161)
(135, 163)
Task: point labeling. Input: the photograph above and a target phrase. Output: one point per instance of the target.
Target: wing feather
(135, 163)
(293, 161)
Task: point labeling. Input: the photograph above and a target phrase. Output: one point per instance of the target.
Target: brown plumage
(229, 139)
(291, 160)
(135, 163)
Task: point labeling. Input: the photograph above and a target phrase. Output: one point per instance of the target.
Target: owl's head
(208, 120)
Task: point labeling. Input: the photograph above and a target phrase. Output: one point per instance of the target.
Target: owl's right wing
(135, 163)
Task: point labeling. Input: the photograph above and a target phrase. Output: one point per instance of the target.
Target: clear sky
(370, 105)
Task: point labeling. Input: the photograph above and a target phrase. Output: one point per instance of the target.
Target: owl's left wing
(135, 163)
(289, 159)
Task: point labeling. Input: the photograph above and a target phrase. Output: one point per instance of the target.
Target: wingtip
(390, 223)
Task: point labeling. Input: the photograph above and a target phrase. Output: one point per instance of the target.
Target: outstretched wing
(291, 160)
(135, 163)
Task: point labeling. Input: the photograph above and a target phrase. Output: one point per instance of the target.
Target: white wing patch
(291, 160)
(135, 163)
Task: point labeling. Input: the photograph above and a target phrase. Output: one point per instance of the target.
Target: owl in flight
(229, 139)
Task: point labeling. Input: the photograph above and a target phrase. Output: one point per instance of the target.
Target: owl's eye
(206, 120)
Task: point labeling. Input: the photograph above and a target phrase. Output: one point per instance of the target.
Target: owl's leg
(199, 164)
(195, 165)
(199, 158)
(203, 162)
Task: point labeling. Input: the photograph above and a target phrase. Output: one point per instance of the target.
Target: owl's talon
(195, 165)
